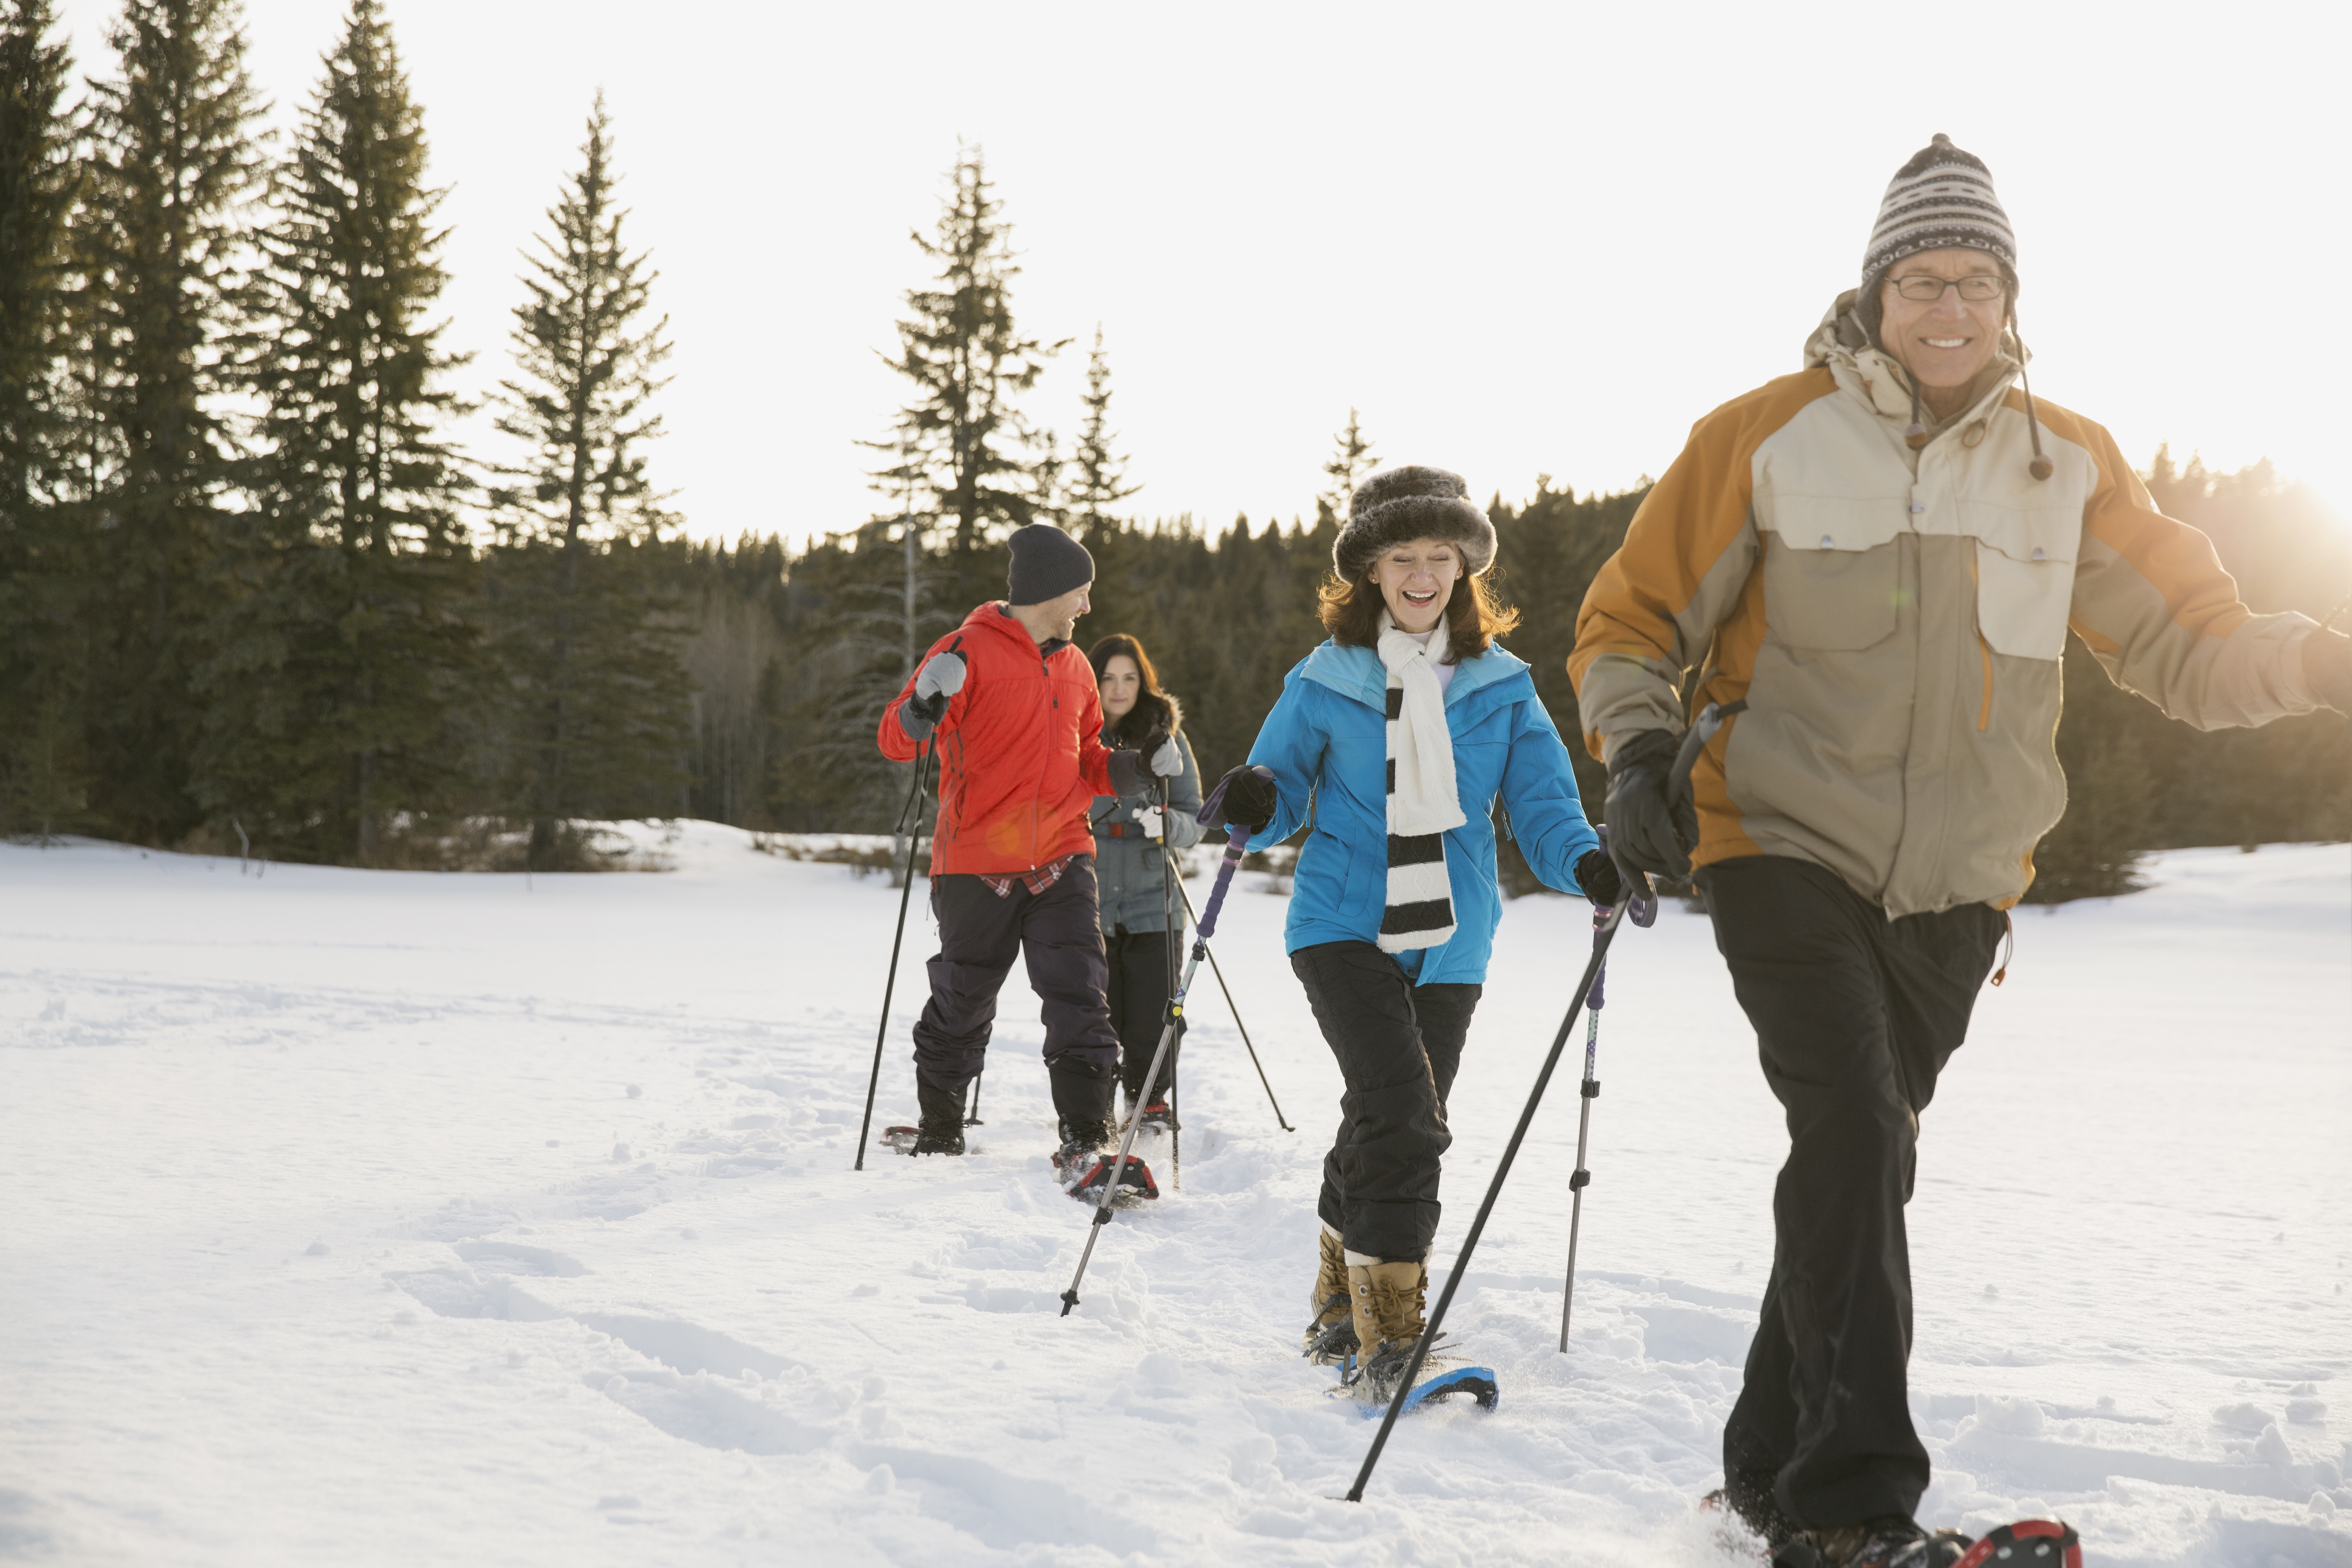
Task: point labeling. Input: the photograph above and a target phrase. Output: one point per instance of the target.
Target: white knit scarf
(1422, 803)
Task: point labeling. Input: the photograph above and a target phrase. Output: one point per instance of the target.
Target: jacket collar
(1356, 672)
(992, 619)
(1875, 379)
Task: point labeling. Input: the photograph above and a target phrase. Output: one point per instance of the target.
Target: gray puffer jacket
(1129, 867)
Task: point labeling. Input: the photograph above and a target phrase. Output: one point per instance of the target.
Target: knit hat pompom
(1395, 506)
(1941, 200)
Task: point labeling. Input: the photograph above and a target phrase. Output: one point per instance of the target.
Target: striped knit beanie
(1942, 199)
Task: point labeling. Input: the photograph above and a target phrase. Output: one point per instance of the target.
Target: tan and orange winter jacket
(1894, 619)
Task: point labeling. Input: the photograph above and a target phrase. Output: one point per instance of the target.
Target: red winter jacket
(1020, 753)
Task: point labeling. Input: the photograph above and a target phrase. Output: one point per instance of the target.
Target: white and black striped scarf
(1422, 803)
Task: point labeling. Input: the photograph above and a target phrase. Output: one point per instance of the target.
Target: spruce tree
(600, 698)
(344, 658)
(160, 244)
(39, 574)
(1351, 458)
(1098, 474)
(959, 345)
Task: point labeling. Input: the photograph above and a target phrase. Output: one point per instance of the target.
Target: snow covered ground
(366, 1218)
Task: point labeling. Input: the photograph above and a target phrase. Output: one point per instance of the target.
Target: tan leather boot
(1387, 1301)
(1328, 1307)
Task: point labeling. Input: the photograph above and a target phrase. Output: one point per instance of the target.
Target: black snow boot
(1892, 1541)
(1083, 1137)
(942, 1129)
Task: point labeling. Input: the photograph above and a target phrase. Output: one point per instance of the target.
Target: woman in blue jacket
(1390, 745)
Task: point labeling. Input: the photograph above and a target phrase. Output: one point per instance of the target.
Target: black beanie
(1046, 565)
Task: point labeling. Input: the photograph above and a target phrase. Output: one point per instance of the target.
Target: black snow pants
(1139, 1007)
(1398, 1046)
(1059, 933)
(1855, 1016)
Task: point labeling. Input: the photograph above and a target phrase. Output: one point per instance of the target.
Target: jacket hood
(1841, 345)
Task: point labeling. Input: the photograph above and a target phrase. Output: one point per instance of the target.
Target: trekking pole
(1236, 843)
(971, 1116)
(1236, 1012)
(1588, 1091)
(910, 817)
(1174, 944)
(1641, 904)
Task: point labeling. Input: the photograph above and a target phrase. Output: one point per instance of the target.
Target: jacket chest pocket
(2026, 575)
(1831, 574)
(1824, 595)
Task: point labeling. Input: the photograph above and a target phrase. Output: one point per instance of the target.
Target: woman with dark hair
(1140, 930)
(1390, 744)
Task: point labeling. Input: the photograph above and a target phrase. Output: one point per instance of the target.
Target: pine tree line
(251, 586)
(251, 594)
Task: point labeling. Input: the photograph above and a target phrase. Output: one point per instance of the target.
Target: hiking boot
(1746, 1497)
(941, 1132)
(1330, 1336)
(1386, 1302)
(1890, 1541)
(1082, 1138)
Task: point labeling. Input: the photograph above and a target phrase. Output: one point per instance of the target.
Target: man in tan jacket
(1882, 556)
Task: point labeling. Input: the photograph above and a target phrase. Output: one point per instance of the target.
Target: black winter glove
(1242, 797)
(1647, 831)
(1597, 874)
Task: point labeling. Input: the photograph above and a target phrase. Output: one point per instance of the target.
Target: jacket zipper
(1984, 714)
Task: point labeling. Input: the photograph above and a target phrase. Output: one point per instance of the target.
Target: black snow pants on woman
(1398, 1046)
(1855, 1016)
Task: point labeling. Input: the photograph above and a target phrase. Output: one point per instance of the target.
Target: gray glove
(940, 679)
(1167, 761)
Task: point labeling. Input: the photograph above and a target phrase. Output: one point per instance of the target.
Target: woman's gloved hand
(1597, 874)
(1648, 830)
(1244, 798)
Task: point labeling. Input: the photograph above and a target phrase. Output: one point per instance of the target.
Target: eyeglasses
(1976, 289)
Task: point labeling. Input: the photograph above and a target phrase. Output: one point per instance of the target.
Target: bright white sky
(1521, 239)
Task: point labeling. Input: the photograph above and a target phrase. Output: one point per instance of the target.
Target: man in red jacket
(1009, 705)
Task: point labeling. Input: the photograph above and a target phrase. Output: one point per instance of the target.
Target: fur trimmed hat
(1397, 505)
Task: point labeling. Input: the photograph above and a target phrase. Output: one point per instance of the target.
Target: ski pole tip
(1069, 1300)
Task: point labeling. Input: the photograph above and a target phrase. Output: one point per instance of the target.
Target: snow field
(369, 1218)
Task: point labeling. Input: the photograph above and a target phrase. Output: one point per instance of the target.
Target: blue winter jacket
(1328, 738)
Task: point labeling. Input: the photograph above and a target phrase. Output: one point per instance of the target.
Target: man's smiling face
(1944, 342)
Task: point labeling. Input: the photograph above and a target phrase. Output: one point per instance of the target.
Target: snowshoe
(1157, 1118)
(900, 1140)
(2028, 1543)
(1085, 1176)
(1374, 1383)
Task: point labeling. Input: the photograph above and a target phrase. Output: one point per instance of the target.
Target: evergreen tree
(345, 664)
(1099, 475)
(40, 785)
(160, 249)
(960, 346)
(592, 665)
(1351, 458)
